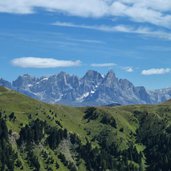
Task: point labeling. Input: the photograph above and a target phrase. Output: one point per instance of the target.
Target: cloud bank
(147, 31)
(156, 12)
(34, 62)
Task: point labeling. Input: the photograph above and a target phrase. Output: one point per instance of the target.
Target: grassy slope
(22, 106)
(72, 120)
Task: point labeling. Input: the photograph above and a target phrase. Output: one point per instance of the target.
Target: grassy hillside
(39, 136)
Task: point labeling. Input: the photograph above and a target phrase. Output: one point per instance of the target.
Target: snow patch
(30, 85)
(45, 79)
(81, 98)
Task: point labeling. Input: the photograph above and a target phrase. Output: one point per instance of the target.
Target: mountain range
(93, 89)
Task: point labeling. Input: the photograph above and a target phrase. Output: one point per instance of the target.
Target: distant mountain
(160, 95)
(5, 83)
(92, 89)
(114, 90)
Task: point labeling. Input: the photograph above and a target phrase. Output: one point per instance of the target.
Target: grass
(72, 119)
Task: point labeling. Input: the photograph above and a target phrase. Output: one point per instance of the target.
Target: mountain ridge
(92, 89)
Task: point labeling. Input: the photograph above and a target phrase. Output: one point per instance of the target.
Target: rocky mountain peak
(111, 75)
(24, 81)
(62, 74)
(92, 75)
(110, 79)
(26, 76)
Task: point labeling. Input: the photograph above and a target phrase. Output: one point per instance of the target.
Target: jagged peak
(110, 75)
(27, 75)
(62, 73)
(91, 74)
(110, 72)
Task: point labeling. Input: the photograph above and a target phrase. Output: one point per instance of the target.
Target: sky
(131, 37)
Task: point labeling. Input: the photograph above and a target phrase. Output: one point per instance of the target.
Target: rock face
(114, 90)
(91, 89)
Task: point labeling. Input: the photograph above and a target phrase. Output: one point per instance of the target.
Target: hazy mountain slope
(160, 95)
(49, 137)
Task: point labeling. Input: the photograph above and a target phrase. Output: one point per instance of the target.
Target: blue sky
(132, 37)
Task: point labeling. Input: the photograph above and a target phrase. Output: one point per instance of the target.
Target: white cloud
(128, 69)
(104, 65)
(156, 12)
(120, 28)
(106, 28)
(156, 71)
(98, 8)
(34, 62)
(142, 11)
